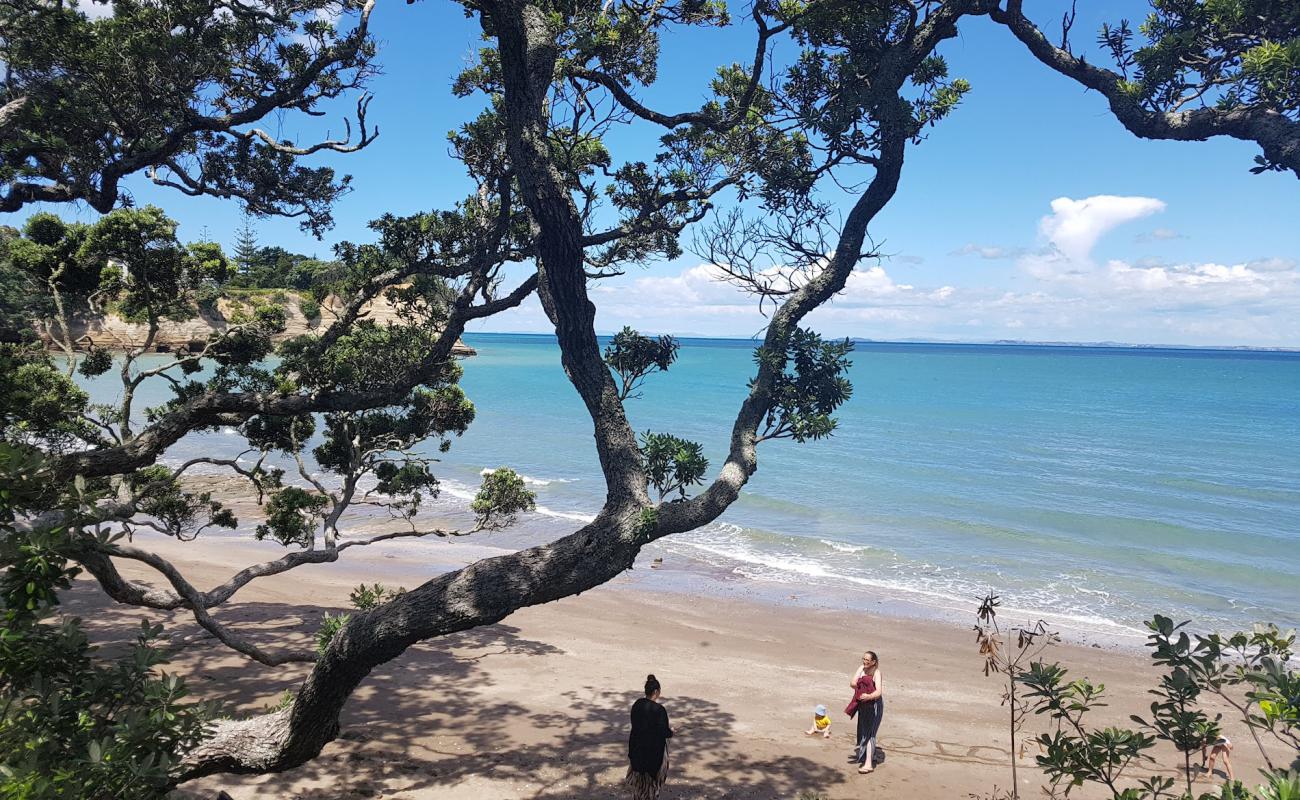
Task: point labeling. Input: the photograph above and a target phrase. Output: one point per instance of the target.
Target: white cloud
(1057, 294)
(1272, 264)
(1074, 226)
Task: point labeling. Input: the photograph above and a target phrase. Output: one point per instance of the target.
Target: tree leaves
(672, 464)
(634, 357)
(809, 387)
(500, 498)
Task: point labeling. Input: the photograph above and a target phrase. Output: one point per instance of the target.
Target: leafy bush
(366, 597)
(206, 296)
(95, 362)
(671, 463)
(310, 309)
(1250, 672)
(330, 625)
(73, 725)
(501, 496)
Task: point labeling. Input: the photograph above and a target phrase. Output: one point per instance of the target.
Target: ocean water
(1094, 485)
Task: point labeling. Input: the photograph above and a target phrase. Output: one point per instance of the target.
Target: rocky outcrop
(111, 332)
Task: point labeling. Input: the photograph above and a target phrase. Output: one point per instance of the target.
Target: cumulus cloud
(1272, 264)
(1055, 294)
(1074, 226)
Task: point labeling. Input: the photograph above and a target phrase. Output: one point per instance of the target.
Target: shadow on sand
(432, 718)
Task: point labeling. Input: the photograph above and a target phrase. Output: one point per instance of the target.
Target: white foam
(950, 594)
(583, 518)
(531, 481)
(844, 548)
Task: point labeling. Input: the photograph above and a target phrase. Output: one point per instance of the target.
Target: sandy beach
(536, 707)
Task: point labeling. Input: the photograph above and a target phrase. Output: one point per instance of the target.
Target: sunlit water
(1095, 484)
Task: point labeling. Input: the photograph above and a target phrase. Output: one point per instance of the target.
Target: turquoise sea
(1091, 484)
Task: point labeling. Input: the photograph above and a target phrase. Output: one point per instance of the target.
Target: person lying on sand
(821, 723)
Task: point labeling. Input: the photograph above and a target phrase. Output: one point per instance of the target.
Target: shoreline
(684, 572)
(535, 706)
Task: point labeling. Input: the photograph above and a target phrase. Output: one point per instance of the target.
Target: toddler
(820, 724)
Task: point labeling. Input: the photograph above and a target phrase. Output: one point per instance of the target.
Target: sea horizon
(1027, 343)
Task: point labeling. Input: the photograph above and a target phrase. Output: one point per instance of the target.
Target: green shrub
(366, 597)
(310, 309)
(330, 625)
(73, 725)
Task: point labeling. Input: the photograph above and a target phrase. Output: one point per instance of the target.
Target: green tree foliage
(245, 246)
(293, 516)
(74, 725)
(1244, 53)
(342, 417)
(366, 597)
(49, 251)
(363, 598)
(1251, 672)
(1194, 69)
(634, 357)
(277, 268)
(809, 387)
(144, 267)
(672, 464)
(40, 406)
(16, 293)
(129, 261)
(174, 89)
(502, 496)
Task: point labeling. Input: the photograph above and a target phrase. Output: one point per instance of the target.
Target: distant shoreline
(1002, 343)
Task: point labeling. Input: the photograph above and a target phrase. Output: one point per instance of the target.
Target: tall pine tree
(245, 246)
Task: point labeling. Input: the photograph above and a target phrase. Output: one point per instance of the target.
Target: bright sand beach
(536, 707)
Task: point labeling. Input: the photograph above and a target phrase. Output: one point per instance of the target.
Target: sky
(1030, 214)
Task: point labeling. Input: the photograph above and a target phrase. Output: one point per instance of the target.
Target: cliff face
(111, 332)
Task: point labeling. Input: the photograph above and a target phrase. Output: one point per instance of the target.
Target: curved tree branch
(210, 407)
(1277, 136)
(702, 118)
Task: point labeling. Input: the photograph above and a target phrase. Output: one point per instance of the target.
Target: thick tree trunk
(489, 590)
(528, 56)
(481, 594)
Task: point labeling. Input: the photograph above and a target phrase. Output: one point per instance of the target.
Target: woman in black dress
(647, 747)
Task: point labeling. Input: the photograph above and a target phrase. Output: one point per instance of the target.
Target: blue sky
(1029, 214)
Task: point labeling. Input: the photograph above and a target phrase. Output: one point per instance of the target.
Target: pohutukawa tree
(1192, 70)
(549, 201)
(176, 90)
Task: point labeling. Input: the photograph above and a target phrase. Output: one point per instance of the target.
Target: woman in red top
(869, 706)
